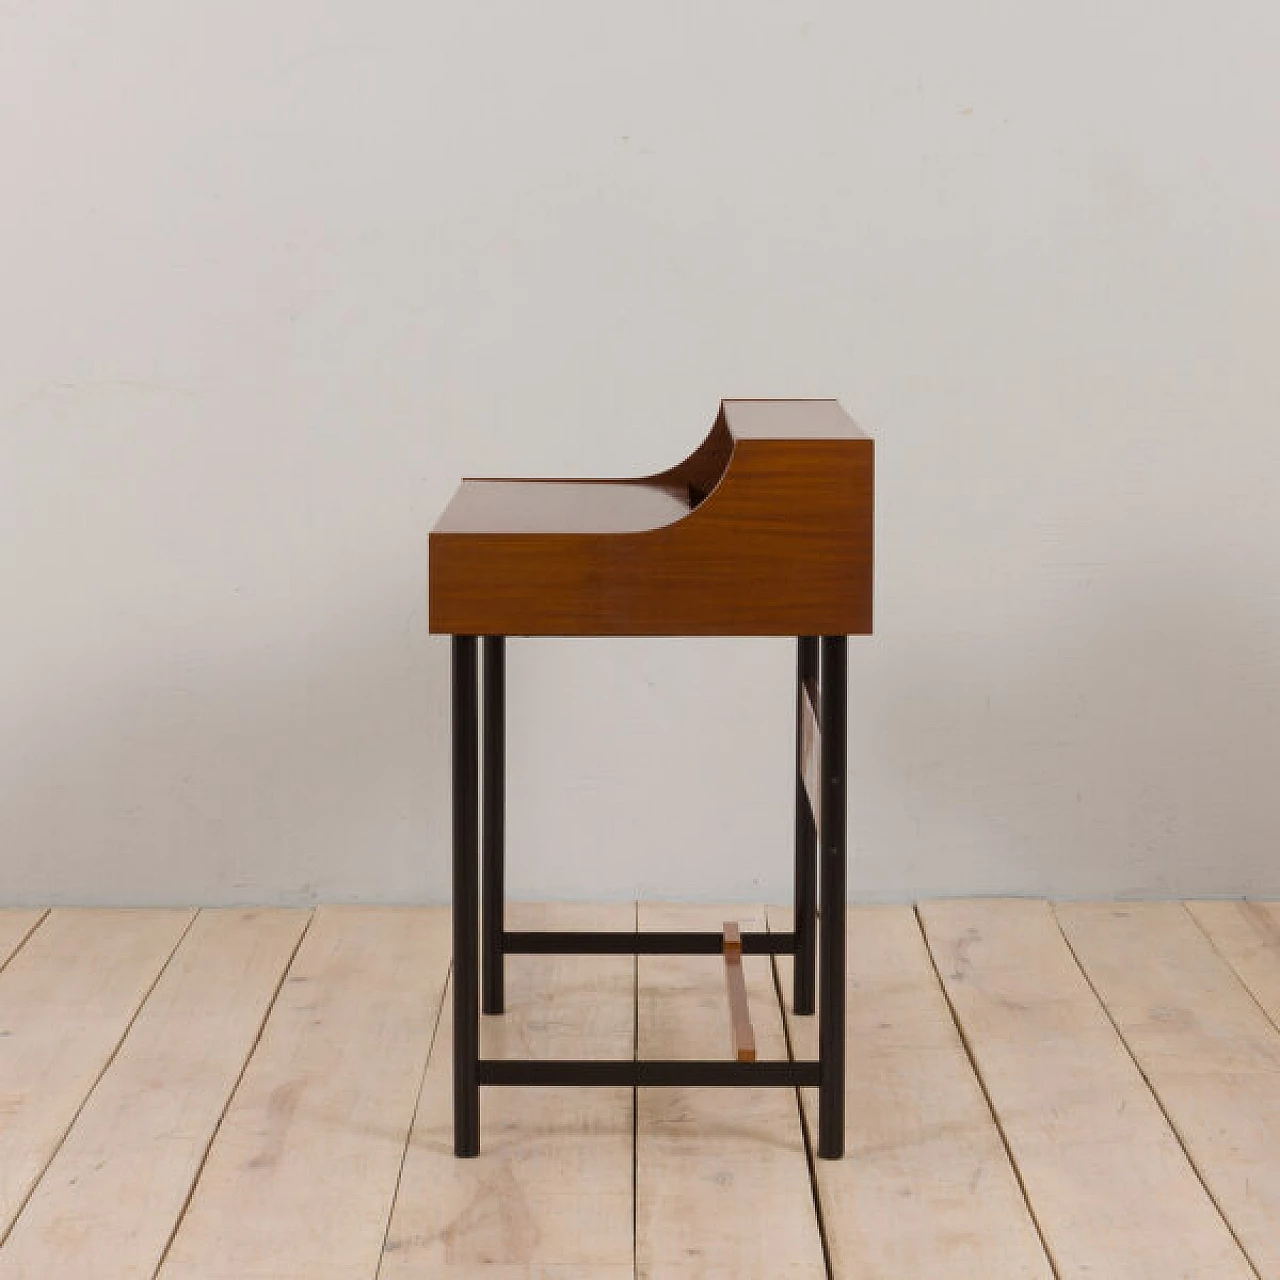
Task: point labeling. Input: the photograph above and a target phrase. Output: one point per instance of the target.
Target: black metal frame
(572, 942)
(677, 1073)
(820, 866)
(466, 1009)
(495, 775)
(806, 890)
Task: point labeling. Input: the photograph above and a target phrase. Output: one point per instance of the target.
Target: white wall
(274, 275)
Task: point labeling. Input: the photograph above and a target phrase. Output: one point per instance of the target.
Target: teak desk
(764, 530)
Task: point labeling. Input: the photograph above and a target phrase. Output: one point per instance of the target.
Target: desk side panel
(784, 546)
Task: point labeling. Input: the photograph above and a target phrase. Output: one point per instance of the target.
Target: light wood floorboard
(926, 1190)
(66, 1000)
(1211, 1054)
(1112, 1189)
(550, 1195)
(300, 1179)
(1096, 1077)
(1247, 936)
(148, 1123)
(722, 1180)
(16, 925)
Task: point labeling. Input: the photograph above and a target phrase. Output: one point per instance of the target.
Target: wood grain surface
(780, 543)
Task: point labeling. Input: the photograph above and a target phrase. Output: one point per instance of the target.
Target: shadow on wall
(1127, 750)
(301, 773)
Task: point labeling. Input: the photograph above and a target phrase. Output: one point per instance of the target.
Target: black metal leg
(832, 838)
(493, 789)
(806, 891)
(466, 1010)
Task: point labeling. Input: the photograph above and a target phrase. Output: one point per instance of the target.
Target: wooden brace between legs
(743, 1037)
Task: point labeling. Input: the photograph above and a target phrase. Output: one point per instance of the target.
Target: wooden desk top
(765, 529)
(561, 506)
(789, 420)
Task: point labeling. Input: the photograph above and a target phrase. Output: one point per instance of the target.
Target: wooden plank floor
(1035, 1093)
(722, 1180)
